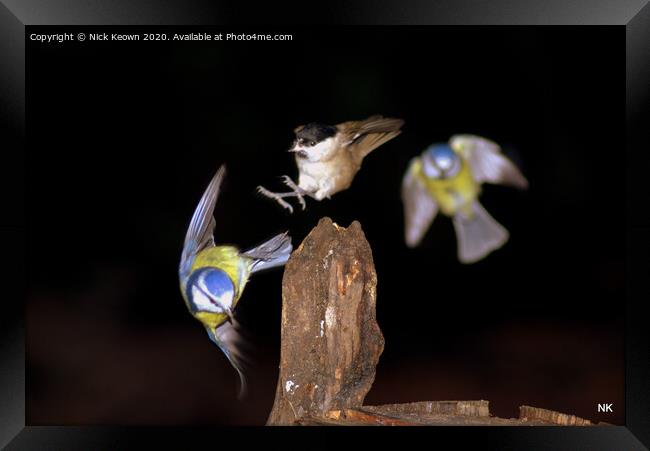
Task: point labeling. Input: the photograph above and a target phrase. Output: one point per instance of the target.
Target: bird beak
(231, 318)
(298, 150)
(297, 146)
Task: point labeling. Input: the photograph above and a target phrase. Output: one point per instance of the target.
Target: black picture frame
(15, 15)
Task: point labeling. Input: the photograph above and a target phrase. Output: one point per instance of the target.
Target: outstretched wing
(487, 162)
(199, 234)
(420, 208)
(362, 137)
(272, 253)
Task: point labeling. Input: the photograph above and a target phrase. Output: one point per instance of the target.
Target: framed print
(428, 216)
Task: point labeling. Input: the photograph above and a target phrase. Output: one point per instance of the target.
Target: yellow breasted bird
(448, 178)
(212, 277)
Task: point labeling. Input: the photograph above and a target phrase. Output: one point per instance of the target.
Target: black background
(123, 138)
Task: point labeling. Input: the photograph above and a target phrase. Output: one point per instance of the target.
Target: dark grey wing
(362, 137)
(272, 253)
(420, 208)
(486, 161)
(199, 234)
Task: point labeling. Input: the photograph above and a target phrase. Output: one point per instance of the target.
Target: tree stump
(331, 342)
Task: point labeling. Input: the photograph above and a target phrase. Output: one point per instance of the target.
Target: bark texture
(441, 413)
(331, 342)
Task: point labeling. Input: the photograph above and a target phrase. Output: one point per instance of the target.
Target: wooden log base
(441, 413)
(331, 343)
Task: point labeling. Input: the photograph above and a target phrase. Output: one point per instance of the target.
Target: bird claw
(286, 205)
(275, 196)
(296, 189)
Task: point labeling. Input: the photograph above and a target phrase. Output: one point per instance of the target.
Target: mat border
(634, 15)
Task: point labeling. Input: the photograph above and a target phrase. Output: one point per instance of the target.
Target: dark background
(124, 137)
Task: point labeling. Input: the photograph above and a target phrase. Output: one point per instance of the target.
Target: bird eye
(312, 143)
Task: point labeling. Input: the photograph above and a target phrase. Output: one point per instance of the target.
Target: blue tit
(329, 156)
(448, 178)
(212, 278)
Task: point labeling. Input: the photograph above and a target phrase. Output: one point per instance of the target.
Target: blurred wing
(487, 162)
(199, 234)
(231, 342)
(420, 208)
(362, 137)
(272, 253)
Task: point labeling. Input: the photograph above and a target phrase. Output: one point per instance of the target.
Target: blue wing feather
(200, 232)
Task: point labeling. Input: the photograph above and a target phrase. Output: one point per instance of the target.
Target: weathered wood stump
(441, 413)
(331, 342)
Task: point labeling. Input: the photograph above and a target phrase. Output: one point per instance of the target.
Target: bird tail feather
(478, 234)
(274, 252)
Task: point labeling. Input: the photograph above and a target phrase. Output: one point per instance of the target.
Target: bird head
(314, 141)
(210, 290)
(440, 162)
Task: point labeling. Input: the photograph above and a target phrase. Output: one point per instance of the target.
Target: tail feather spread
(478, 235)
(274, 252)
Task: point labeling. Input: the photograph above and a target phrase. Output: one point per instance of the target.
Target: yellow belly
(211, 320)
(453, 194)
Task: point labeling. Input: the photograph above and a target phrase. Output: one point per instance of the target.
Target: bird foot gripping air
(296, 192)
(278, 197)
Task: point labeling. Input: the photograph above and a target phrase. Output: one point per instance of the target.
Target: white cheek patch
(444, 163)
(430, 170)
(224, 298)
(320, 150)
(203, 303)
(212, 291)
